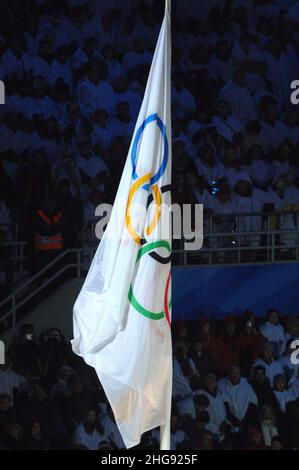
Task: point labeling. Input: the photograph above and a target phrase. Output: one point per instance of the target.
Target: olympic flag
(122, 314)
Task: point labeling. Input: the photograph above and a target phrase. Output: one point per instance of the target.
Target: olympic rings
(158, 200)
(145, 312)
(162, 127)
(148, 182)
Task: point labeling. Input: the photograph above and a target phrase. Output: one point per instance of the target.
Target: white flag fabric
(122, 314)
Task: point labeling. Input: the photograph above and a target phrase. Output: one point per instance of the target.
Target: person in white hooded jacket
(237, 394)
(283, 393)
(272, 367)
(274, 332)
(268, 424)
(216, 408)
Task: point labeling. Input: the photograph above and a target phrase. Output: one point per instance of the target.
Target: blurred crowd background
(235, 386)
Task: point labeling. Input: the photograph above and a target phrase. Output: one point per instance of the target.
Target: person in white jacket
(237, 393)
(89, 433)
(274, 332)
(9, 381)
(272, 367)
(268, 424)
(283, 393)
(216, 408)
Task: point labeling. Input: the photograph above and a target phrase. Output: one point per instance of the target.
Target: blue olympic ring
(162, 127)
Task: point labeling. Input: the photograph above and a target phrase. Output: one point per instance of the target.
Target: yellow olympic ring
(158, 200)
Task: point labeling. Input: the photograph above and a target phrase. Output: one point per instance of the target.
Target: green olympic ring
(134, 302)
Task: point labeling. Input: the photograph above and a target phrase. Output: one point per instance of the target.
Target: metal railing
(16, 246)
(12, 229)
(234, 234)
(264, 244)
(237, 238)
(76, 259)
(18, 257)
(249, 237)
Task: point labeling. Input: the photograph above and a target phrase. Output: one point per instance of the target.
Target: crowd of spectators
(235, 386)
(74, 74)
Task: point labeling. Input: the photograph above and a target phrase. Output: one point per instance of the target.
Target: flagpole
(165, 437)
(168, 6)
(165, 429)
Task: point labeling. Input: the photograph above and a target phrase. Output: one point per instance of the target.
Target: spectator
(274, 332)
(35, 440)
(205, 440)
(135, 60)
(207, 339)
(10, 382)
(201, 358)
(226, 124)
(272, 367)
(83, 55)
(254, 441)
(89, 209)
(238, 397)
(260, 172)
(216, 408)
(26, 353)
(122, 124)
(80, 395)
(250, 342)
(182, 391)
(232, 169)
(221, 61)
(95, 92)
(61, 389)
(14, 437)
(268, 425)
(262, 388)
(282, 393)
(61, 68)
(43, 62)
(35, 181)
(48, 232)
(201, 403)
(101, 130)
(122, 92)
(39, 105)
(182, 99)
(226, 348)
(111, 431)
(177, 434)
(276, 444)
(47, 413)
(91, 167)
(7, 414)
(273, 130)
(55, 352)
(237, 95)
(208, 167)
(89, 432)
(15, 62)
